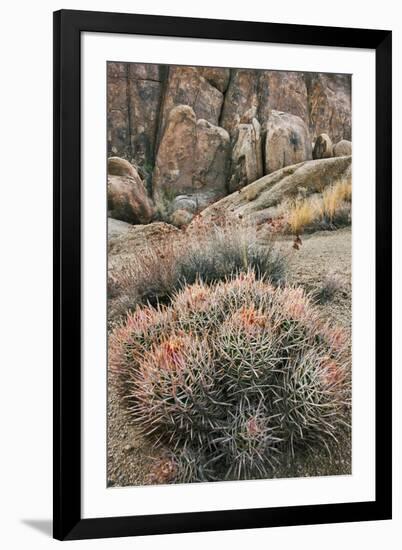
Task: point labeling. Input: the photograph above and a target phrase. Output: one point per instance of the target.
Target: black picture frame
(68, 26)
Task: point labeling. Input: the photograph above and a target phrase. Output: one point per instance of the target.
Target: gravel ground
(322, 254)
(130, 456)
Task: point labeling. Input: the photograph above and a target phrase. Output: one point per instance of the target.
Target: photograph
(202, 288)
(229, 204)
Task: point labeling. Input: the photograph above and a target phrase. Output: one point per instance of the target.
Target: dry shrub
(330, 286)
(209, 254)
(236, 379)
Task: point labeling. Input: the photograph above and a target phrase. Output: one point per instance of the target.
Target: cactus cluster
(235, 378)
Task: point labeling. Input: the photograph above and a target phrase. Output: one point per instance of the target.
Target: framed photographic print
(222, 274)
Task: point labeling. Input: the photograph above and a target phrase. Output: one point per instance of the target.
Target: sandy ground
(321, 254)
(130, 456)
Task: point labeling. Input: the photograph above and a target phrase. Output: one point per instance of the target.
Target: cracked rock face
(189, 86)
(329, 102)
(287, 141)
(282, 91)
(118, 136)
(241, 99)
(144, 95)
(134, 95)
(218, 77)
(192, 161)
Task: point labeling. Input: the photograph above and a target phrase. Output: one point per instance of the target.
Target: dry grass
(306, 212)
(301, 214)
(333, 197)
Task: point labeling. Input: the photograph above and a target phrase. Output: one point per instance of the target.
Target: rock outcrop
(126, 239)
(230, 131)
(254, 93)
(343, 148)
(282, 91)
(217, 76)
(189, 86)
(134, 96)
(287, 141)
(323, 148)
(258, 200)
(329, 103)
(192, 161)
(144, 94)
(117, 228)
(247, 165)
(241, 98)
(118, 125)
(128, 200)
(181, 218)
(117, 166)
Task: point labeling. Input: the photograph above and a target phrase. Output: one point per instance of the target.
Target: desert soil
(130, 456)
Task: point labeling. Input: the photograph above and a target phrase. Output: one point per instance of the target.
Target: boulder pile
(182, 138)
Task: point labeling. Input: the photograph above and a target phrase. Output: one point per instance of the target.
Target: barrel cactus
(235, 379)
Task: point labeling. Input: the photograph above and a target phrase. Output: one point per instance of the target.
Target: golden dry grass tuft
(333, 197)
(301, 214)
(305, 212)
